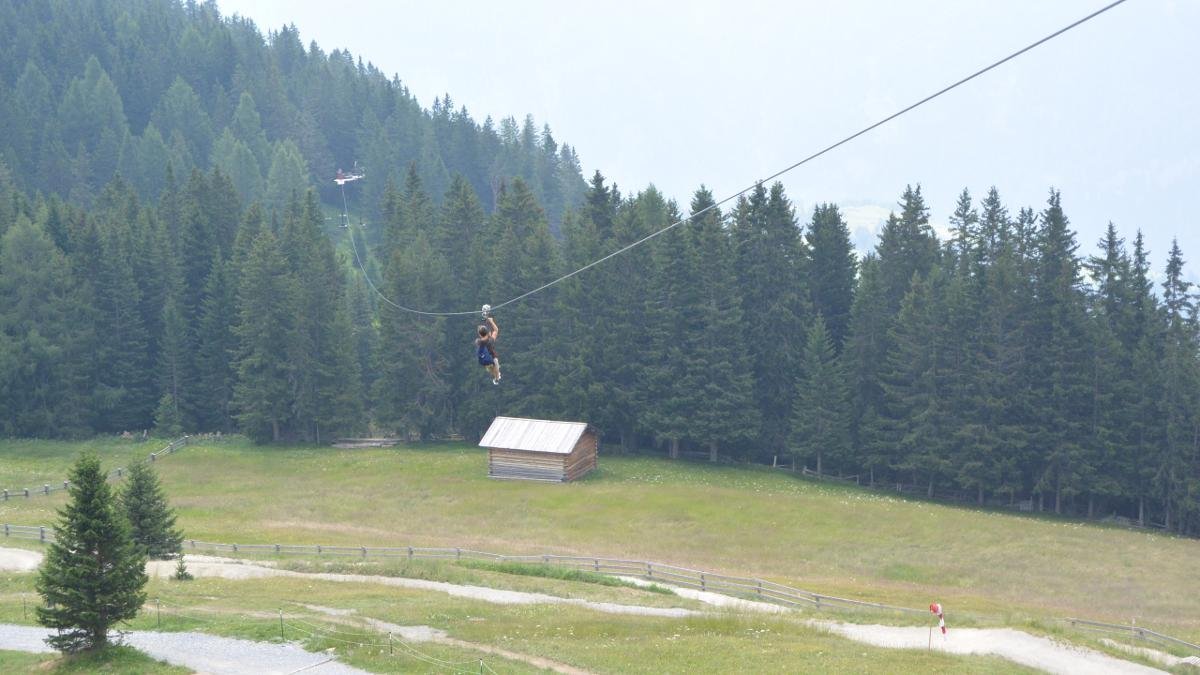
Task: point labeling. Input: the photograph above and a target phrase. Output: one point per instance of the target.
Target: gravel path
(204, 566)
(1036, 652)
(1029, 650)
(19, 560)
(200, 652)
(1026, 649)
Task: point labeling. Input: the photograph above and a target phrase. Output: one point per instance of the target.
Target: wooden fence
(115, 474)
(671, 575)
(1133, 631)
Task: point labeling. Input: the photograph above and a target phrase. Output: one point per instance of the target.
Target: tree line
(1000, 363)
(165, 263)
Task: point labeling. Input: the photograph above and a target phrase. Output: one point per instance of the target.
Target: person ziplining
(485, 344)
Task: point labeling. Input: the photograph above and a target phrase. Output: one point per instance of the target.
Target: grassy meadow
(985, 567)
(582, 638)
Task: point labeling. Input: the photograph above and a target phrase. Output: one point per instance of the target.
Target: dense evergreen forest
(170, 258)
(90, 88)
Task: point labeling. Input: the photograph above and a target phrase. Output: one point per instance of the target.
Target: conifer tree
(215, 346)
(821, 416)
(1060, 331)
(151, 519)
(832, 268)
(864, 360)
(907, 246)
(36, 305)
(93, 574)
(266, 302)
(723, 394)
(770, 257)
(915, 401)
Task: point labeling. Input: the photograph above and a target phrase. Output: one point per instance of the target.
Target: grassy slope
(598, 642)
(743, 521)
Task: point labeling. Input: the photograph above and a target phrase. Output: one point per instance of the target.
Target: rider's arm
(495, 328)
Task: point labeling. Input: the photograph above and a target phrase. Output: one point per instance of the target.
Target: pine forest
(174, 257)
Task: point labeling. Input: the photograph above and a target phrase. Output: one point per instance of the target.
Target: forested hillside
(1002, 364)
(89, 88)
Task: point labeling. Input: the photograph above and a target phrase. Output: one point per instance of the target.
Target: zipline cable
(358, 259)
(746, 189)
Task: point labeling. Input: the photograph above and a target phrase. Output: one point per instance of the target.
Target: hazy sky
(721, 94)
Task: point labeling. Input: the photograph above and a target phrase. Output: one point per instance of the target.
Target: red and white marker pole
(936, 610)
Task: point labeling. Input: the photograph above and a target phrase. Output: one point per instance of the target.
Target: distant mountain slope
(89, 88)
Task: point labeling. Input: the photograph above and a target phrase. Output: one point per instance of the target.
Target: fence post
(42, 534)
(458, 554)
(318, 549)
(817, 598)
(391, 648)
(281, 624)
(364, 551)
(46, 489)
(235, 548)
(6, 529)
(119, 470)
(152, 457)
(649, 571)
(26, 493)
(703, 583)
(277, 548)
(6, 495)
(759, 588)
(410, 553)
(597, 563)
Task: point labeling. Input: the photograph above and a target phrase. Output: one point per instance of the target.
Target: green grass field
(986, 567)
(583, 638)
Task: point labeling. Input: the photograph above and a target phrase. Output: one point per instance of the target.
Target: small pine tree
(181, 571)
(151, 518)
(93, 575)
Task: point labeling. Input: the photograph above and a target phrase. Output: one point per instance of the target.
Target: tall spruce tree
(93, 575)
(770, 272)
(1062, 347)
(832, 267)
(727, 416)
(821, 416)
(864, 355)
(151, 518)
(266, 302)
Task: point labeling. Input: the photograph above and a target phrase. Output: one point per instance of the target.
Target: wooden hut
(540, 449)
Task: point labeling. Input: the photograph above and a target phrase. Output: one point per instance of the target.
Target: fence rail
(739, 587)
(115, 474)
(743, 587)
(1132, 631)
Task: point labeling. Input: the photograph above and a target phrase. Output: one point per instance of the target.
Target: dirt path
(430, 634)
(207, 566)
(199, 651)
(19, 560)
(1023, 648)
(1035, 652)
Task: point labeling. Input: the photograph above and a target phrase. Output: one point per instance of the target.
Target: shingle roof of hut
(514, 433)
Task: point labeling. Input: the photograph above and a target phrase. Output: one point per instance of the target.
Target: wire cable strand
(756, 183)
